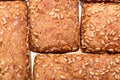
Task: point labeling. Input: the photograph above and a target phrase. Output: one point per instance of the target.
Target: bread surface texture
(54, 25)
(77, 67)
(100, 28)
(14, 54)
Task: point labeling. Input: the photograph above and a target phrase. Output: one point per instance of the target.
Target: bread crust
(14, 54)
(77, 67)
(54, 25)
(101, 27)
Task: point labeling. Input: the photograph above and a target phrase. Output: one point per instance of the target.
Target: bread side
(14, 55)
(101, 27)
(77, 67)
(54, 25)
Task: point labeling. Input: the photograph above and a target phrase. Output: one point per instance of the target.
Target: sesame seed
(111, 50)
(102, 42)
(37, 75)
(92, 73)
(1, 39)
(102, 73)
(4, 21)
(62, 77)
(44, 65)
(80, 71)
(18, 75)
(117, 60)
(97, 49)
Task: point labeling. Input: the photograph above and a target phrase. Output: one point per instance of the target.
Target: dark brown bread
(54, 25)
(77, 67)
(14, 57)
(101, 27)
(117, 1)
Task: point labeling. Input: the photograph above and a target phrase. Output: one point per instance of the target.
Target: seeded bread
(54, 25)
(101, 27)
(13, 0)
(100, 0)
(77, 67)
(14, 57)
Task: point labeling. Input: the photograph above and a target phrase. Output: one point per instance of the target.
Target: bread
(100, 1)
(77, 67)
(54, 25)
(14, 55)
(13, 0)
(100, 27)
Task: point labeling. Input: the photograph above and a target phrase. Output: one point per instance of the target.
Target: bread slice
(77, 67)
(14, 55)
(54, 25)
(101, 27)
